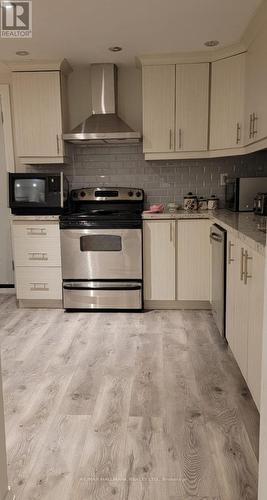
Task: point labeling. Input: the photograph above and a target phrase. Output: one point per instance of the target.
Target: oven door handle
(102, 286)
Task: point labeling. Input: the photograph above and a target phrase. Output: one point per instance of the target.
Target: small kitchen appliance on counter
(190, 202)
(38, 194)
(260, 204)
(101, 246)
(240, 192)
(213, 202)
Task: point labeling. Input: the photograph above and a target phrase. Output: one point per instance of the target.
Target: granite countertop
(244, 224)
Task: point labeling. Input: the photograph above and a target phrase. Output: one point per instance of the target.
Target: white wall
(129, 96)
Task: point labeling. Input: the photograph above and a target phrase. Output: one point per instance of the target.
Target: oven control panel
(107, 194)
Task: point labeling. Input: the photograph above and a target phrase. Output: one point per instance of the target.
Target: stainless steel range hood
(103, 126)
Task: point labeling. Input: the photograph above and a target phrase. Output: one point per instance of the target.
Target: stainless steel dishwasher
(218, 237)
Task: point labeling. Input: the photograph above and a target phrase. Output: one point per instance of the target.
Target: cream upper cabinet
(159, 260)
(193, 260)
(227, 103)
(40, 118)
(158, 108)
(192, 107)
(256, 89)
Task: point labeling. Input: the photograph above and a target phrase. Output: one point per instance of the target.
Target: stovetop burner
(92, 207)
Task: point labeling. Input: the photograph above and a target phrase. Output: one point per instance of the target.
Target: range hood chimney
(103, 126)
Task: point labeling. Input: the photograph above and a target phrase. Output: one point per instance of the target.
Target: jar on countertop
(202, 203)
(213, 202)
(190, 202)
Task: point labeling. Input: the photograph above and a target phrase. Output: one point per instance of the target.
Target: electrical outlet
(223, 178)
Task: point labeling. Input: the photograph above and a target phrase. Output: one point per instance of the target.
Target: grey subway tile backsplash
(162, 180)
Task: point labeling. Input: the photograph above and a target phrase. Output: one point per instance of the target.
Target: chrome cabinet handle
(39, 287)
(170, 137)
(180, 138)
(238, 133)
(250, 126)
(254, 121)
(57, 144)
(171, 231)
(230, 259)
(242, 272)
(215, 237)
(36, 231)
(38, 256)
(246, 275)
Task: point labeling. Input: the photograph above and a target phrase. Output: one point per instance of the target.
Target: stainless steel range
(101, 244)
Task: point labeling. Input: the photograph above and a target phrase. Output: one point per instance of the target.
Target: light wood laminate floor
(124, 406)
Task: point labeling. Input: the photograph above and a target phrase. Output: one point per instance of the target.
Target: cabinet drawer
(37, 251)
(38, 283)
(35, 229)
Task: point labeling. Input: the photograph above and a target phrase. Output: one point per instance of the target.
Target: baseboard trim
(177, 304)
(7, 290)
(40, 304)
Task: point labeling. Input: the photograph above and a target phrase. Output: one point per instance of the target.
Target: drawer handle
(38, 256)
(230, 258)
(36, 231)
(39, 287)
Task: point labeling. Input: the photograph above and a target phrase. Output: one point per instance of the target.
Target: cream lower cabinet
(37, 261)
(177, 260)
(3, 459)
(159, 260)
(193, 260)
(244, 311)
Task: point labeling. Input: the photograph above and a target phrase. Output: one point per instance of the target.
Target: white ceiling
(82, 30)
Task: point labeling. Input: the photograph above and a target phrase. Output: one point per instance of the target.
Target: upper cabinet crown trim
(204, 56)
(46, 65)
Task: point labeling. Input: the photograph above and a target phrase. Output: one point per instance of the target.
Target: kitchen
(136, 188)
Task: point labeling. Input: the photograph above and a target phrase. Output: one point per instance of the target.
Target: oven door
(101, 254)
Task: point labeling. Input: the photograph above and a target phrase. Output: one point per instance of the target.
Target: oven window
(100, 243)
(29, 190)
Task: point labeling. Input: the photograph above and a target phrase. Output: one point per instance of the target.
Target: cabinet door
(242, 312)
(37, 109)
(227, 103)
(158, 108)
(255, 324)
(192, 107)
(193, 260)
(256, 89)
(159, 260)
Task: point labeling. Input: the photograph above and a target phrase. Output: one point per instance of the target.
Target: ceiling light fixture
(22, 53)
(115, 49)
(211, 43)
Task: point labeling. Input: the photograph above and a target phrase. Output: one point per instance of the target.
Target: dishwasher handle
(216, 237)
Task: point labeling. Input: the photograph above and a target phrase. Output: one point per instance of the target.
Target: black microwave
(38, 194)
